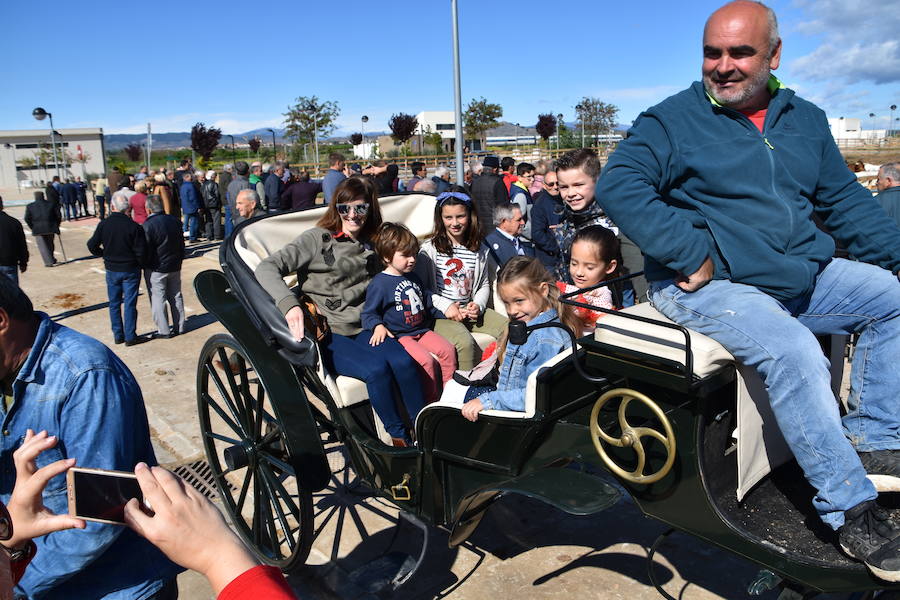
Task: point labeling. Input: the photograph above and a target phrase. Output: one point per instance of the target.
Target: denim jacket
(520, 361)
(77, 389)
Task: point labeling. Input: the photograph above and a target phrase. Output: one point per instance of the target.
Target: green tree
(308, 116)
(403, 127)
(434, 139)
(480, 115)
(596, 116)
(546, 126)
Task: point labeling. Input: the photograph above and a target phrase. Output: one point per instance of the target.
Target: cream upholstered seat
(662, 342)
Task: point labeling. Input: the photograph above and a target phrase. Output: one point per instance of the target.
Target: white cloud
(650, 94)
(859, 41)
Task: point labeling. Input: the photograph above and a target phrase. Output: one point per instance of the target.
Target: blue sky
(173, 64)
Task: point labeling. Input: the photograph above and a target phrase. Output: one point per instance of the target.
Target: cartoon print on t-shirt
(457, 278)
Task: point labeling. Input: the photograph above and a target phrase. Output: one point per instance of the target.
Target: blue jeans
(379, 366)
(71, 210)
(229, 226)
(778, 340)
(122, 287)
(192, 225)
(11, 272)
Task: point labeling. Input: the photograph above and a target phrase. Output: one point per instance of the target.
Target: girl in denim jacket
(530, 295)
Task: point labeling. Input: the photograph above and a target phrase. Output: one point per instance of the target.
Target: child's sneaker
(869, 535)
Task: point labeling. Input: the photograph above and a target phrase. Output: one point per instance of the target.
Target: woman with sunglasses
(334, 263)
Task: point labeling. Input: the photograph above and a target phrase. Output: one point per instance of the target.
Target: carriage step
(571, 491)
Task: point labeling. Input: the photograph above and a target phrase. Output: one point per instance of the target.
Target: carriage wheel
(249, 457)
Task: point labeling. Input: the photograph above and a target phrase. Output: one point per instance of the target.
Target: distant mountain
(182, 139)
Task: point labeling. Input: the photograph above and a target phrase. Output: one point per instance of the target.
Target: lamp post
(517, 137)
(233, 159)
(364, 120)
(62, 151)
(457, 95)
(559, 119)
(40, 114)
(274, 147)
(872, 116)
(891, 121)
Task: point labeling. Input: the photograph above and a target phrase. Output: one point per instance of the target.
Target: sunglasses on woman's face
(360, 209)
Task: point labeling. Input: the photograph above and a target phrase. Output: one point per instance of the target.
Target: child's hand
(378, 335)
(473, 310)
(454, 313)
(471, 409)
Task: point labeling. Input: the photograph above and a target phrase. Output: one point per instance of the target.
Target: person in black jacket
(212, 201)
(488, 191)
(43, 218)
(13, 250)
(165, 253)
(121, 243)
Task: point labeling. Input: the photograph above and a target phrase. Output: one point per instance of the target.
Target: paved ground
(522, 548)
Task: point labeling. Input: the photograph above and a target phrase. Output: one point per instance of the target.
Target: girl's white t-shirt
(455, 275)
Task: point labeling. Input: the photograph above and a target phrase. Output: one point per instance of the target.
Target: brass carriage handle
(400, 492)
(631, 436)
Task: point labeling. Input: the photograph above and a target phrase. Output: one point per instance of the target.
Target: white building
(437, 121)
(26, 156)
(849, 132)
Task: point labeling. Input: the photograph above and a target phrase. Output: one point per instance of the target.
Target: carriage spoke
(222, 438)
(223, 415)
(233, 386)
(242, 496)
(282, 492)
(260, 409)
(283, 466)
(238, 416)
(274, 501)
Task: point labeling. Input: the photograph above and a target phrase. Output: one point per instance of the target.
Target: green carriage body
(459, 468)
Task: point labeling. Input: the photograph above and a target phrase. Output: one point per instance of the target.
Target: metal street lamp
(233, 159)
(365, 119)
(40, 114)
(517, 136)
(62, 151)
(872, 116)
(274, 147)
(559, 119)
(457, 95)
(891, 121)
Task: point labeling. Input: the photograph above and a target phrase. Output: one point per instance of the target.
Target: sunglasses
(551, 183)
(360, 209)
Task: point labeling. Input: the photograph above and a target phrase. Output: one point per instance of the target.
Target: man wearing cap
(488, 192)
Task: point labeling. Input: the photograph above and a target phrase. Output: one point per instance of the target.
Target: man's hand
(187, 527)
(378, 334)
(697, 280)
(471, 409)
(294, 318)
(26, 508)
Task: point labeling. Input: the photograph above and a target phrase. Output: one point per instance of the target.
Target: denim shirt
(520, 361)
(77, 389)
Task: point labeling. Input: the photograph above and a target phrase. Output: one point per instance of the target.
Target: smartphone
(101, 496)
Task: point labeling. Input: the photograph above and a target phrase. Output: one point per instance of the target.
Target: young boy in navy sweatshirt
(397, 307)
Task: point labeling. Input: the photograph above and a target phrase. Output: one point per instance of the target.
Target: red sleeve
(258, 582)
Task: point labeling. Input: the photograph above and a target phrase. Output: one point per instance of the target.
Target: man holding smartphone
(56, 379)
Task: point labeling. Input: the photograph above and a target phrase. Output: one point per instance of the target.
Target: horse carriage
(661, 410)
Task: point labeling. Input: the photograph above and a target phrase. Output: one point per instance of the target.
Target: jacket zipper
(765, 139)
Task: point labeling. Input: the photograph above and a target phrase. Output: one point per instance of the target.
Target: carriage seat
(662, 342)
